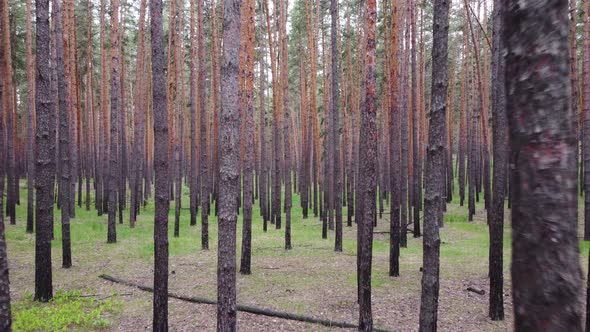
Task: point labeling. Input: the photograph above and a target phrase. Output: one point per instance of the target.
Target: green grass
(306, 271)
(66, 311)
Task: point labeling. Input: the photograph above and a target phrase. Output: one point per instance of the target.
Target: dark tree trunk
(62, 42)
(45, 158)
(286, 128)
(404, 142)
(394, 146)
(368, 168)
(5, 314)
(116, 108)
(203, 132)
(161, 141)
(228, 169)
(193, 175)
(546, 274)
(249, 136)
(11, 137)
(263, 162)
(30, 128)
(586, 110)
(500, 132)
(417, 162)
(337, 179)
(435, 153)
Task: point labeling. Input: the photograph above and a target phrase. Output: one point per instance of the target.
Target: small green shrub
(66, 311)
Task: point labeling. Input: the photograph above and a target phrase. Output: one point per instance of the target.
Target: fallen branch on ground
(476, 291)
(241, 307)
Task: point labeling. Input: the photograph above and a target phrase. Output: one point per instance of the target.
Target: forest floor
(311, 279)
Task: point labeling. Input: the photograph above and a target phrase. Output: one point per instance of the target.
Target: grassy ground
(311, 279)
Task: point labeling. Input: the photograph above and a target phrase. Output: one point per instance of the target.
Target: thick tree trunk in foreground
(228, 169)
(45, 158)
(546, 275)
(161, 141)
(435, 157)
(500, 132)
(367, 185)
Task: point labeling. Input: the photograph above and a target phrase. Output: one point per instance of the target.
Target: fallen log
(241, 307)
(476, 291)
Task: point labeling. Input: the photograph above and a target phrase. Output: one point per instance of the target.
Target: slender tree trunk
(62, 43)
(417, 162)
(433, 198)
(5, 314)
(500, 122)
(203, 132)
(161, 165)
(286, 121)
(368, 169)
(337, 180)
(115, 110)
(11, 137)
(194, 189)
(248, 11)
(586, 110)
(543, 221)
(30, 127)
(45, 158)
(394, 146)
(228, 169)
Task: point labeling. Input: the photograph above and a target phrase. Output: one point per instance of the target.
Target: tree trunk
(545, 284)
(337, 179)
(248, 37)
(368, 169)
(161, 164)
(62, 43)
(435, 153)
(115, 110)
(45, 158)
(203, 132)
(30, 127)
(500, 132)
(394, 145)
(5, 314)
(417, 162)
(586, 110)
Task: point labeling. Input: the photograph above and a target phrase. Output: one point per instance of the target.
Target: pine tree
(543, 221)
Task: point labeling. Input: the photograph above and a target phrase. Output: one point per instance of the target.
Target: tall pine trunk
(161, 140)
(543, 182)
(435, 155)
(228, 169)
(45, 158)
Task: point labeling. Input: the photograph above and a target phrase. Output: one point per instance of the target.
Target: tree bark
(435, 153)
(500, 132)
(203, 132)
(5, 314)
(248, 36)
(30, 128)
(161, 165)
(228, 169)
(546, 275)
(45, 158)
(62, 40)
(368, 169)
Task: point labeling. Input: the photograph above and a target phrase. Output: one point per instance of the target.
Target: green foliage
(66, 311)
